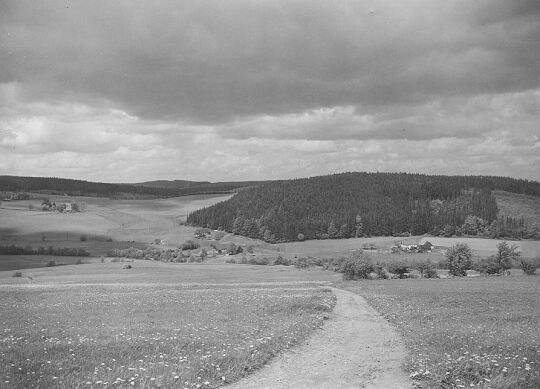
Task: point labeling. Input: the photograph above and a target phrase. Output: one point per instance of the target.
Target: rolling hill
(151, 189)
(369, 204)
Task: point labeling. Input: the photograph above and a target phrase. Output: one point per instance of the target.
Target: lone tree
(459, 259)
(505, 255)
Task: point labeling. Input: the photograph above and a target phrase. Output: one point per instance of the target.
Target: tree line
(57, 251)
(359, 204)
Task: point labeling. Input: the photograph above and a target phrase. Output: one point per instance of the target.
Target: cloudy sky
(127, 91)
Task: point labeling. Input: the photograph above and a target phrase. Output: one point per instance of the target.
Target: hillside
(174, 184)
(518, 206)
(153, 189)
(367, 204)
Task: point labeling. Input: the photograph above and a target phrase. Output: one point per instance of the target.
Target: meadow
(140, 221)
(481, 332)
(155, 325)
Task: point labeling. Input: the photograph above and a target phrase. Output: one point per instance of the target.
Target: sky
(131, 91)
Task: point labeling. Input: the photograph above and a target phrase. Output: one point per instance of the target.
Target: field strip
(356, 348)
(248, 285)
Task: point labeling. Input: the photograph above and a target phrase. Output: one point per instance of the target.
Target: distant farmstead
(426, 247)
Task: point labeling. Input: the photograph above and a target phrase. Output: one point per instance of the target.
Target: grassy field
(479, 332)
(19, 262)
(124, 221)
(156, 325)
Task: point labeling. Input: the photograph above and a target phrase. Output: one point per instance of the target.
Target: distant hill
(367, 204)
(175, 184)
(60, 186)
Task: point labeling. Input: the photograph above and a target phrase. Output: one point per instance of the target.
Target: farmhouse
(426, 247)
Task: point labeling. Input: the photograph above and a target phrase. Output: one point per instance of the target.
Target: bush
(243, 261)
(381, 272)
(399, 268)
(506, 254)
(281, 261)
(459, 259)
(230, 260)
(79, 262)
(108, 240)
(258, 261)
(50, 264)
(488, 265)
(426, 269)
(126, 267)
(190, 245)
(357, 266)
(529, 266)
(301, 263)
(83, 238)
(17, 274)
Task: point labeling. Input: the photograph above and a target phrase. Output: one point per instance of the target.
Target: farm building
(426, 247)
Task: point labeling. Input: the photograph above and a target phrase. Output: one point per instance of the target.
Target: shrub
(301, 263)
(243, 261)
(357, 266)
(83, 238)
(506, 254)
(126, 267)
(258, 261)
(399, 268)
(488, 265)
(281, 261)
(230, 260)
(529, 266)
(17, 274)
(108, 240)
(426, 269)
(50, 264)
(79, 262)
(381, 272)
(459, 259)
(101, 259)
(335, 264)
(190, 245)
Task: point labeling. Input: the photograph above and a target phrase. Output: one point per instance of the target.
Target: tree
(459, 259)
(357, 266)
(506, 254)
(332, 230)
(204, 254)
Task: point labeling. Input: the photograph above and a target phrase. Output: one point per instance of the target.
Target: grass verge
(149, 336)
(479, 332)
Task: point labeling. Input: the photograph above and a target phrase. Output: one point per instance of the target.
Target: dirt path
(356, 348)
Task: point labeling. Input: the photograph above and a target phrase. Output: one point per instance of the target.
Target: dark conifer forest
(363, 204)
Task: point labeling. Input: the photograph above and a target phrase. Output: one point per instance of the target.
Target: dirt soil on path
(356, 348)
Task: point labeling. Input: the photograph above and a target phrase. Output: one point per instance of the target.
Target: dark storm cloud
(212, 61)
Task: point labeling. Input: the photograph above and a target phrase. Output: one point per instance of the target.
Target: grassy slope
(95, 325)
(483, 331)
(123, 220)
(518, 205)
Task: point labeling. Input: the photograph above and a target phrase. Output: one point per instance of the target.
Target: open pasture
(18, 262)
(485, 247)
(482, 332)
(156, 325)
(121, 220)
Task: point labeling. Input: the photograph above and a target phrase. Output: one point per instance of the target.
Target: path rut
(356, 348)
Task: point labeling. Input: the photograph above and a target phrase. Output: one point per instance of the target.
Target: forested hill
(361, 204)
(50, 185)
